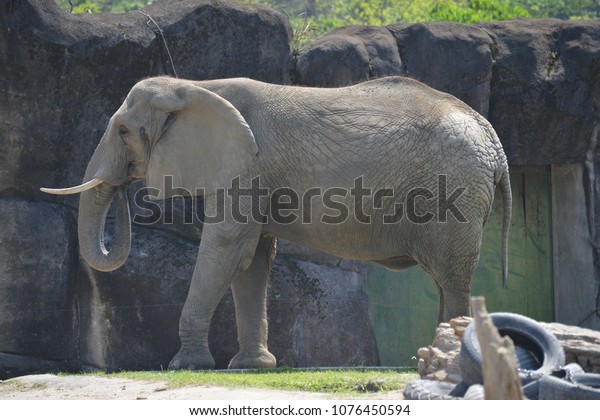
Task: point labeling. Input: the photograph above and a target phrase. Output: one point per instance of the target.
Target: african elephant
(389, 171)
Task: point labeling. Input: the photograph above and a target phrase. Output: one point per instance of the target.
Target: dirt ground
(52, 387)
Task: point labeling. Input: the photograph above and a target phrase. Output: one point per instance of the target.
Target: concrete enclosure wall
(64, 75)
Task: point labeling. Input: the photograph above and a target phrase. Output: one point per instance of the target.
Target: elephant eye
(170, 118)
(123, 131)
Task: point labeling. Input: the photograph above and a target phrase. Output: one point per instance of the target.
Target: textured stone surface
(318, 316)
(439, 361)
(448, 56)
(36, 284)
(181, 216)
(64, 75)
(545, 89)
(12, 365)
(348, 56)
(581, 345)
(576, 296)
(538, 81)
(129, 318)
(298, 251)
(326, 315)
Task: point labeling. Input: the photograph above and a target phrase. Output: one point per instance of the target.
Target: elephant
(388, 171)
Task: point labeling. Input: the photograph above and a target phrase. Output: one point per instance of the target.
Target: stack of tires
(541, 360)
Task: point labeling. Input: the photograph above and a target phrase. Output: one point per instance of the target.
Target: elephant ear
(205, 143)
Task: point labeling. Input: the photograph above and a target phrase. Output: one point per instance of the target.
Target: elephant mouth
(136, 171)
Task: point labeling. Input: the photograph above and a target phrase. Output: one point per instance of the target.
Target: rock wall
(63, 77)
(538, 82)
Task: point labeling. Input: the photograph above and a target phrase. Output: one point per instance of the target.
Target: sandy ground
(51, 387)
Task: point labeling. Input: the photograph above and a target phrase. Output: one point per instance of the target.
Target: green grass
(345, 381)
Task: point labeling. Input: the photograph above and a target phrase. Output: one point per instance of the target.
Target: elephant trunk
(93, 208)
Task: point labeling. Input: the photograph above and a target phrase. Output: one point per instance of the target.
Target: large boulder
(545, 89)
(37, 269)
(13, 365)
(538, 81)
(129, 318)
(581, 345)
(318, 316)
(348, 56)
(450, 57)
(319, 313)
(64, 75)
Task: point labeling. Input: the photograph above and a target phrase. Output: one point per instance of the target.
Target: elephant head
(165, 127)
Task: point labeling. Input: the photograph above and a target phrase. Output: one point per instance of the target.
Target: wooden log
(498, 360)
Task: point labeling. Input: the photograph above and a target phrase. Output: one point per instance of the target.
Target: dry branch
(498, 360)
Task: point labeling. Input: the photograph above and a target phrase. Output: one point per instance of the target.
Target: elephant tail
(507, 210)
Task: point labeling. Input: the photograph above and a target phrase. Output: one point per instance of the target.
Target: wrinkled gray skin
(393, 132)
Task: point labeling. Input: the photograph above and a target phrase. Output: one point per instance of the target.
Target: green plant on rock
(302, 29)
(87, 7)
(96, 6)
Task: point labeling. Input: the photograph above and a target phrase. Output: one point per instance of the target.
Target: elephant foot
(192, 360)
(260, 359)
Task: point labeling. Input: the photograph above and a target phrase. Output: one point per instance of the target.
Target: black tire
(526, 359)
(539, 352)
(459, 390)
(583, 386)
(567, 372)
(475, 392)
(532, 389)
(424, 389)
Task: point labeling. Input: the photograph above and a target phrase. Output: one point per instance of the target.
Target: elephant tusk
(74, 190)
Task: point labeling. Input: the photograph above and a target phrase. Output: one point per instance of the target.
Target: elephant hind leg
(455, 294)
(453, 274)
(454, 285)
(455, 302)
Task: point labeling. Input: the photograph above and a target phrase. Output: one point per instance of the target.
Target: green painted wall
(404, 305)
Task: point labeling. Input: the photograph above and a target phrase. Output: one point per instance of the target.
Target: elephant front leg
(250, 297)
(225, 251)
(206, 290)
